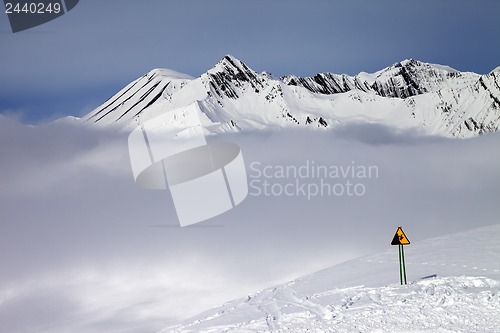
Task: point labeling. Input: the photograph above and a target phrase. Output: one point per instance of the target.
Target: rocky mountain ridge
(232, 97)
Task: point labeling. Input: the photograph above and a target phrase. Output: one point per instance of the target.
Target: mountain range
(435, 99)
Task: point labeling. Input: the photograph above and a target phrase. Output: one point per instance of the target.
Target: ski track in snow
(441, 304)
(453, 286)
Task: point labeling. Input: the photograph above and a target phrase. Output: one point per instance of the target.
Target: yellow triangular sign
(400, 238)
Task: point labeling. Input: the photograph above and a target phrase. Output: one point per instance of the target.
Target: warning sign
(400, 238)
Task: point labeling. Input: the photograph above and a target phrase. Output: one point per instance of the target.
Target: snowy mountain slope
(409, 94)
(453, 286)
(403, 79)
(138, 95)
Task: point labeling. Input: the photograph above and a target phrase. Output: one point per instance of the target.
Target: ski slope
(453, 286)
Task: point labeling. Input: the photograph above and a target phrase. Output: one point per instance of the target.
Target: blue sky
(70, 65)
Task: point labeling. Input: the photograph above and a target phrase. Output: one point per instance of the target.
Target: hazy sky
(72, 64)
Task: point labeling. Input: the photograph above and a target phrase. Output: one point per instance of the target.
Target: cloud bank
(84, 249)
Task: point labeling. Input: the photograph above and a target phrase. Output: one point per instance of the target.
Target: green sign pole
(403, 260)
(400, 267)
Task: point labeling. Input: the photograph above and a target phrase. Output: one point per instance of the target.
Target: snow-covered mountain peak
(407, 63)
(168, 73)
(228, 74)
(411, 77)
(137, 96)
(233, 69)
(230, 63)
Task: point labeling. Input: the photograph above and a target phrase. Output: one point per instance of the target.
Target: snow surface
(453, 286)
